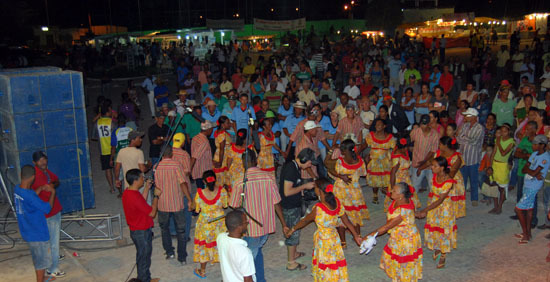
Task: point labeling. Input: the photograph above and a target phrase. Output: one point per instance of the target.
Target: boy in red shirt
(139, 216)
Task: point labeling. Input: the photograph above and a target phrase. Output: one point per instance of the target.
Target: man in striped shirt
(470, 137)
(352, 123)
(183, 158)
(201, 153)
(426, 143)
(262, 202)
(169, 178)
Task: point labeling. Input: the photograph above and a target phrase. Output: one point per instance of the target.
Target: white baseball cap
(310, 125)
(470, 112)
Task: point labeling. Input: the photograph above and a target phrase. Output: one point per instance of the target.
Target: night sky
(182, 13)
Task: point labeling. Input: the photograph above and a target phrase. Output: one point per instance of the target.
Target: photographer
(292, 188)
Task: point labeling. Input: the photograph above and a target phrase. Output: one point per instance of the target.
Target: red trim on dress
(403, 259)
(235, 149)
(267, 138)
(380, 141)
(437, 228)
(378, 172)
(351, 166)
(439, 185)
(333, 266)
(355, 208)
(207, 201)
(205, 244)
(458, 198)
(268, 169)
(220, 170)
(405, 157)
(409, 206)
(218, 132)
(327, 210)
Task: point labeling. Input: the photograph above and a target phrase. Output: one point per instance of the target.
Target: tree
(383, 14)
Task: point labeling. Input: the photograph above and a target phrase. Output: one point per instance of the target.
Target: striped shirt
(354, 126)
(261, 196)
(168, 177)
(306, 142)
(183, 158)
(423, 144)
(470, 139)
(202, 153)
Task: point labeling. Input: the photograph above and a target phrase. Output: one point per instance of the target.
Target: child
(501, 171)
(483, 166)
(401, 163)
(139, 216)
(31, 217)
(450, 130)
(490, 188)
(535, 171)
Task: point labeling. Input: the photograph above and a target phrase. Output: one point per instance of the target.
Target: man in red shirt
(44, 177)
(139, 216)
(446, 81)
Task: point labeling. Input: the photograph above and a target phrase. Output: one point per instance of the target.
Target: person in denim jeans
(139, 216)
(44, 177)
(546, 201)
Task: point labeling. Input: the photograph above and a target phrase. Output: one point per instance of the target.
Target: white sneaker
(56, 274)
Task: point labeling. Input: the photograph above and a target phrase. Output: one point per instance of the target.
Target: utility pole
(47, 14)
(139, 14)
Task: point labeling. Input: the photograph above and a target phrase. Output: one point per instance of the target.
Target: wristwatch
(155, 196)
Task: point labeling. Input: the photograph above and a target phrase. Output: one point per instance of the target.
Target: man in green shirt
(411, 70)
(219, 99)
(522, 154)
(503, 107)
(273, 96)
(192, 125)
(326, 90)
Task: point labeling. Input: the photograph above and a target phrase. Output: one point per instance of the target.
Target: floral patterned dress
(265, 157)
(402, 175)
(205, 249)
(379, 167)
(458, 195)
(402, 256)
(329, 263)
(440, 228)
(350, 195)
(222, 177)
(236, 170)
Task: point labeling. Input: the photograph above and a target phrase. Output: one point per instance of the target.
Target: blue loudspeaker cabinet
(43, 109)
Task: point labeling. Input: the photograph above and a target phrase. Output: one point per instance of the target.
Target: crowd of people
(291, 136)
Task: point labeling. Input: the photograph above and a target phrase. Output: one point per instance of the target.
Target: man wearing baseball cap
(470, 139)
(535, 172)
(130, 157)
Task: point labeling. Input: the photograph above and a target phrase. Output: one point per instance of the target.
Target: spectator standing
(170, 180)
(43, 176)
(394, 65)
(157, 132)
(470, 137)
(105, 130)
(201, 153)
(503, 107)
(262, 201)
(148, 87)
(129, 158)
(236, 259)
(273, 96)
(426, 143)
(139, 217)
(30, 210)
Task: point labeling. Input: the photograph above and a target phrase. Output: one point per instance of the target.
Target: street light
(45, 28)
(297, 9)
(272, 9)
(346, 7)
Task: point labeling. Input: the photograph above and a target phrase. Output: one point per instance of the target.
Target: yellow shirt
(250, 69)
(104, 127)
(226, 86)
(307, 97)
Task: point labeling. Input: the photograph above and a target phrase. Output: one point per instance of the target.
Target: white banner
(280, 25)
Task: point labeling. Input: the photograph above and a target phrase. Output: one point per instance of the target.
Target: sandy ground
(486, 249)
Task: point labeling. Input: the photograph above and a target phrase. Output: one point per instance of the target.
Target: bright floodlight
(45, 28)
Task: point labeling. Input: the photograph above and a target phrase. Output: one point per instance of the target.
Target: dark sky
(181, 13)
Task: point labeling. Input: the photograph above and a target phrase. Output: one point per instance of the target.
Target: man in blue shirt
(291, 122)
(240, 115)
(394, 65)
(31, 217)
(182, 73)
(212, 114)
(535, 172)
(161, 93)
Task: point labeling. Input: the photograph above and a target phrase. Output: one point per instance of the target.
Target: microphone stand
(245, 177)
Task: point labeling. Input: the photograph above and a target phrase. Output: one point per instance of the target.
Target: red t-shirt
(41, 179)
(136, 210)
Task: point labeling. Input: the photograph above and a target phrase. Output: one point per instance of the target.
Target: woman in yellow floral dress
(209, 203)
(329, 263)
(401, 163)
(267, 141)
(440, 228)
(447, 149)
(223, 144)
(349, 168)
(379, 160)
(402, 256)
(234, 158)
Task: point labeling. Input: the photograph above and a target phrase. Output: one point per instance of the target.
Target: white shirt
(236, 261)
(353, 92)
(149, 84)
(530, 76)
